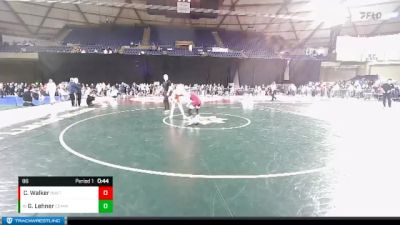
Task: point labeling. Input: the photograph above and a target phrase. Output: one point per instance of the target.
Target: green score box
(105, 206)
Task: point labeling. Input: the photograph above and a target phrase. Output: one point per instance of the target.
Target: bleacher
(31, 49)
(205, 38)
(259, 53)
(166, 36)
(181, 52)
(96, 48)
(239, 40)
(132, 51)
(233, 54)
(162, 41)
(251, 43)
(105, 36)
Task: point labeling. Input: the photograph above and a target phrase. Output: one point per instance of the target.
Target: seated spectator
(114, 92)
(27, 97)
(90, 99)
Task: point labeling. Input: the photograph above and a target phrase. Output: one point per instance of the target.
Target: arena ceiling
(304, 22)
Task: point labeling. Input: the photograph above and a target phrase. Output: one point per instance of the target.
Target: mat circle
(171, 174)
(248, 122)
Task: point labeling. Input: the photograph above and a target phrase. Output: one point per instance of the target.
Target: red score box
(105, 192)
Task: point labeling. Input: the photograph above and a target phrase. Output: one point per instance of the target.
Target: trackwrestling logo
(33, 220)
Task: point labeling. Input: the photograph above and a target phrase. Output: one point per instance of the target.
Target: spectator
(27, 97)
(387, 88)
(72, 90)
(273, 91)
(166, 85)
(51, 90)
(90, 99)
(1, 90)
(78, 91)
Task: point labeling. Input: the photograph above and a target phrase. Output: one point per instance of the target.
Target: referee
(166, 84)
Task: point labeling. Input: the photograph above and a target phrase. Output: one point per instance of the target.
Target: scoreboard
(183, 6)
(193, 9)
(65, 194)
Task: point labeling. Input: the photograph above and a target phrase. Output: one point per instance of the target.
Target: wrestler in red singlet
(196, 102)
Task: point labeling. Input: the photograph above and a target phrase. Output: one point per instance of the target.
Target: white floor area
(11, 117)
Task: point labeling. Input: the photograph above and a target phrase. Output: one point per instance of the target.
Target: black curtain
(261, 71)
(90, 68)
(117, 68)
(20, 70)
(303, 71)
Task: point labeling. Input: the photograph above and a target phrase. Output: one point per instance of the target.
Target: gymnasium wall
(265, 71)
(113, 68)
(386, 71)
(331, 74)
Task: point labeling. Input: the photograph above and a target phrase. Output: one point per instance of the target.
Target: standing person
(387, 88)
(194, 103)
(166, 85)
(72, 91)
(292, 89)
(78, 88)
(176, 99)
(63, 91)
(1, 90)
(273, 91)
(51, 90)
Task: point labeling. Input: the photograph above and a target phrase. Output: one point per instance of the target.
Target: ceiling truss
(232, 7)
(286, 18)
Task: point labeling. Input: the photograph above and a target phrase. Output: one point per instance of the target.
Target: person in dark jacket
(27, 97)
(72, 91)
(387, 88)
(78, 91)
(90, 99)
(166, 84)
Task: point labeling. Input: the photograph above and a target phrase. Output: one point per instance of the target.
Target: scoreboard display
(183, 8)
(65, 194)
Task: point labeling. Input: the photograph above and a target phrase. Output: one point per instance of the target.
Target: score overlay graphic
(65, 194)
